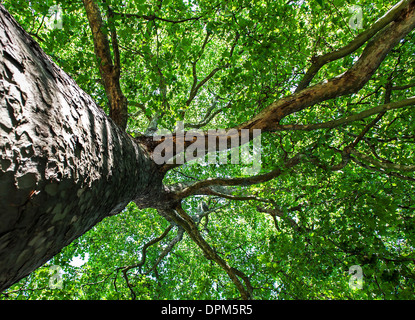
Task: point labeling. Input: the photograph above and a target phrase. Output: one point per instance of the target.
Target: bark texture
(64, 165)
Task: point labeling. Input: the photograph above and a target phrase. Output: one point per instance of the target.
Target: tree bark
(110, 71)
(64, 165)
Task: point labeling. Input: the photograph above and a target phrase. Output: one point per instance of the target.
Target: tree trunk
(64, 165)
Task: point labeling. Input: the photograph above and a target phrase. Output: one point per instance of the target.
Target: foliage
(249, 53)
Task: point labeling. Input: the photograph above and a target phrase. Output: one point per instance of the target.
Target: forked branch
(319, 61)
(180, 217)
(110, 71)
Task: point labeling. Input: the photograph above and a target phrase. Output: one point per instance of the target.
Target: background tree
(336, 181)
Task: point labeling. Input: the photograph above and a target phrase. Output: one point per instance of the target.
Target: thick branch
(349, 82)
(114, 42)
(342, 121)
(362, 38)
(404, 87)
(383, 165)
(180, 217)
(199, 185)
(110, 73)
(381, 170)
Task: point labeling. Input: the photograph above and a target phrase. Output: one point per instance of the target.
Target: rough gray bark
(64, 165)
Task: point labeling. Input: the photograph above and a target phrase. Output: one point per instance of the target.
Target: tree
(332, 102)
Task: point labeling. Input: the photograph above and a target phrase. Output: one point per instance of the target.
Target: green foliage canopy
(218, 63)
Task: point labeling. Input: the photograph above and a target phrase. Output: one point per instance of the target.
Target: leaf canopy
(185, 60)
